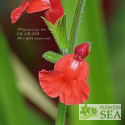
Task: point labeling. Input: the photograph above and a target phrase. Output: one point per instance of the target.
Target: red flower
(68, 79)
(53, 7)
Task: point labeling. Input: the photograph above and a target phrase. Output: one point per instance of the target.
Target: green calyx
(59, 31)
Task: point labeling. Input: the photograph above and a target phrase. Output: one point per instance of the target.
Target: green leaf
(12, 104)
(29, 87)
(2, 114)
(51, 56)
(59, 32)
(37, 119)
(117, 43)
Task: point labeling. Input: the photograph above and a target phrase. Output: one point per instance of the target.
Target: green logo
(87, 112)
(99, 111)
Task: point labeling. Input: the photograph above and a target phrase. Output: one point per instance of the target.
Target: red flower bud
(81, 51)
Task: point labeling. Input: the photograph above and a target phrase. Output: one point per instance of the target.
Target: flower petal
(51, 82)
(75, 93)
(37, 6)
(15, 15)
(84, 72)
(72, 67)
(55, 12)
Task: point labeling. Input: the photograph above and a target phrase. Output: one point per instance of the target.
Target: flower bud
(81, 51)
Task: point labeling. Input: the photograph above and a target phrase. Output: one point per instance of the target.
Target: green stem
(61, 114)
(75, 25)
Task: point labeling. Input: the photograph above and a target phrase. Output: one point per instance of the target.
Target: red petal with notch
(75, 92)
(55, 12)
(38, 5)
(15, 15)
(51, 82)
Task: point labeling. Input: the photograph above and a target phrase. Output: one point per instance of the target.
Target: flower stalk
(75, 25)
(61, 114)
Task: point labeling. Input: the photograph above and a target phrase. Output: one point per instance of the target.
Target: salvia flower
(53, 7)
(68, 80)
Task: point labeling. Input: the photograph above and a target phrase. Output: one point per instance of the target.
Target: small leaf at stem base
(51, 56)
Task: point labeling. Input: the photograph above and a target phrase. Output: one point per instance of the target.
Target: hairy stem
(61, 113)
(75, 25)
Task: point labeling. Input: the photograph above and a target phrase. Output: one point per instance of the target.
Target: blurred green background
(22, 101)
